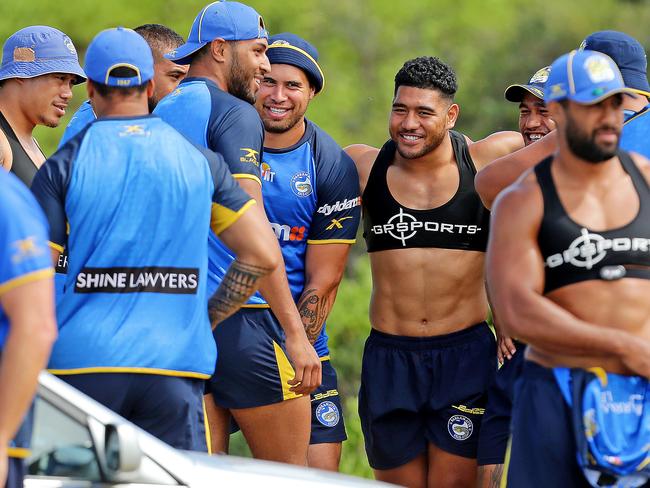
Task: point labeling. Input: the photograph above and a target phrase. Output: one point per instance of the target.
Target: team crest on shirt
(267, 173)
(301, 184)
(133, 130)
(25, 249)
(250, 156)
(328, 414)
(460, 427)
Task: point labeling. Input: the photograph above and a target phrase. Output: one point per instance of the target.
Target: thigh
(217, 426)
(325, 456)
(448, 470)
(412, 474)
(277, 432)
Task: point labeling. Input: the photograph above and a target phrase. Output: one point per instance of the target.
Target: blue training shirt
(25, 256)
(140, 200)
(311, 197)
(212, 118)
(81, 118)
(635, 135)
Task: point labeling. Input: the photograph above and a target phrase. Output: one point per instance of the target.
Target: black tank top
(573, 253)
(461, 223)
(22, 165)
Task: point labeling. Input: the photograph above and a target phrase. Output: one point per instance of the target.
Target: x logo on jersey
(336, 223)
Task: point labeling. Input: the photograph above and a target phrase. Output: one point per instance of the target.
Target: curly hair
(430, 73)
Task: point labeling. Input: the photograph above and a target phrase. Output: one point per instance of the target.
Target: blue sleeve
(339, 204)
(229, 201)
(84, 116)
(50, 185)
(23, 236)
(239, 137)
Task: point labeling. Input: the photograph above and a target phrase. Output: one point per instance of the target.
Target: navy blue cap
(585, 77)
(39, 50)
(287, 48)
(628, 54)
(119, 48)
(231, 21)
(516, 93)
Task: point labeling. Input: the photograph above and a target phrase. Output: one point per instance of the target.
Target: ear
(90, 89)
(218, 49)
(452, 115)
(151, 87)
(312, 92)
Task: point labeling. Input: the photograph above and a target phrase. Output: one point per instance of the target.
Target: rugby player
(430, 356)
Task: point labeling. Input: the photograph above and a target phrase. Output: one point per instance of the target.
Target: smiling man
(430, 356)
(39, 67)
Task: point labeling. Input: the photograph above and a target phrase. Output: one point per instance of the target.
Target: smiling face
(45, 98)
(167, 76)
(534, 119)
(420, 119)
(248, 66)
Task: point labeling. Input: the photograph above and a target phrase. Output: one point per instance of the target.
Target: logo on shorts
(327, 414)
(301, 184)
(460, 427)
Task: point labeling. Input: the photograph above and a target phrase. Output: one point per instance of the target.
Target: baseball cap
(39, 50)
(119, 48)
(287, 48)
(516, 93)
(585, 77)
(628, 54)
(231, 21)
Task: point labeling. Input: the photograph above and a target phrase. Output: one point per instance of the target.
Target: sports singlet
(461, 223)
(573, 253)
(22, 165)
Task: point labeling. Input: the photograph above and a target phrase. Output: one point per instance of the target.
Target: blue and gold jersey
(311, 197)
(25, 256)
(635, 135)
(212, 118)
(81, 118)
(139, 200)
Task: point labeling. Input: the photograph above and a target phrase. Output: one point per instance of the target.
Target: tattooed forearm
(238, 284)
(314, 307)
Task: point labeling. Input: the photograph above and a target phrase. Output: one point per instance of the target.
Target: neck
(10, 106)
(123, 108)
(436, 158)
(205, 70)
(280, 140)
(578, 169)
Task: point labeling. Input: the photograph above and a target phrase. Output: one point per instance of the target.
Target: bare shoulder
(643, 164)
(520, 202)
(364, 157)
(494, 146)
(6, 155)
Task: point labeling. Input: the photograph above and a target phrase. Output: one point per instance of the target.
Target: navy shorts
(543, 449)
(326, 412)
(420, 390)
(495, 428)
(168, 407)
(252, 367)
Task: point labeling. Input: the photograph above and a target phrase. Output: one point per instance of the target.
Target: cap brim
(587, 98)
(637, 81)
(33, 69)
(184, 54)
(516, 93)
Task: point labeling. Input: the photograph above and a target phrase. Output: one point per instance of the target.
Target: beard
(281, 126)
(239, 81)
(585, 146)
(429, 146)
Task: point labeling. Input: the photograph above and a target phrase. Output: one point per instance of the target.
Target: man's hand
(505, 348)
(305, 362)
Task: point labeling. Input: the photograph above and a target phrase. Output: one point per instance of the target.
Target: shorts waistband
(473, 332)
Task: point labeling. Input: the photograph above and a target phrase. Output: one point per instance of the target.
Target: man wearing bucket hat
(134, 334)
(266, 366)
(534, 123)
(325, 211)
(39, 67)
(629, 55)
(567, 272)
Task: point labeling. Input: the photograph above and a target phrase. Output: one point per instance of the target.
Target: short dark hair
(161, 39)
(107, 91)
(430, 73)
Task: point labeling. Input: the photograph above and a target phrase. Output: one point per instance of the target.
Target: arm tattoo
(313, 309)
(238, 284)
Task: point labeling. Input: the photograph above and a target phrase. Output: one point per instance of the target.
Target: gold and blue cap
(287, 48)
(119, 48)
(39, 50)
(585, 77)
(628, 54)
(231, 21)
(516, 93)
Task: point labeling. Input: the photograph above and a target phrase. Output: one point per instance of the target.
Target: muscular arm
(505, 170)
(32, 330)
(324, 267)
(364, 157)
(515, 277)
(495, 146)
(6, 155)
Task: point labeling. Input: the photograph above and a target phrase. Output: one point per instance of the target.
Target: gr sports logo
(267, 173)
(403, 226)
(589, 249)
(328, 414)
(301, 184)
(339, 206)
(460, 427)
(286, 232)
(249, 156)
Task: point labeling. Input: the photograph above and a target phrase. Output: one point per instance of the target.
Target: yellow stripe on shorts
(286, 372)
